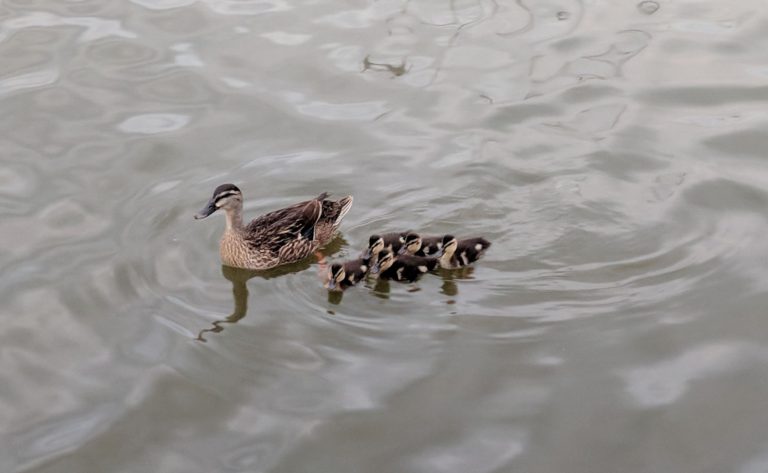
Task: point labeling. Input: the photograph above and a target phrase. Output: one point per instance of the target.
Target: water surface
(612, 151)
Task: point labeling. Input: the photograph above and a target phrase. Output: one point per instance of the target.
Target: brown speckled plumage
(276, 238)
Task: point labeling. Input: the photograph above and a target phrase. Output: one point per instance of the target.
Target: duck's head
(449, 244)
(386, 259)
(375, 245)
(411, 244)
(226, 196)
(335, 275)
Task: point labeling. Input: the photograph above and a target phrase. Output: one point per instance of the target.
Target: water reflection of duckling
(418, 245)
(403, 268)
(387, 241)
(460, 253)
(343, 275)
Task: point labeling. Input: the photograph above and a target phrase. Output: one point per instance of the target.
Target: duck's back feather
(286, 231)
(332, 214)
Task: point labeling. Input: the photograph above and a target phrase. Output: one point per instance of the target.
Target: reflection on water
(381, 288)
(450, 288)
(239, 278)
(612, 151)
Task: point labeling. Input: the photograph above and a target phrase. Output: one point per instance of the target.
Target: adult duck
(280, 237)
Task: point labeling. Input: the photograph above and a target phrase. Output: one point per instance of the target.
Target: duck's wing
(358, 267)
(394, 240)
(422, 263)
(431, 245)
(279, 227)
(478, 245)
(472, 249)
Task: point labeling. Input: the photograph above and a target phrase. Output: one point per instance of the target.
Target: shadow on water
(239, 278)
(450, 276)
(381, 288)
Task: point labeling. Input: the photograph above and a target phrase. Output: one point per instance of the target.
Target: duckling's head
(226, 196)
(375, 245)
(449, 244)
(411, 244)
(335, 275)
(386, 259)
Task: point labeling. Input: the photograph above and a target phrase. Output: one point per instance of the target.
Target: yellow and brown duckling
(418, 245)
(386, 241)
(403, 267)
(280, 237)
(347, 274)
(460, 253)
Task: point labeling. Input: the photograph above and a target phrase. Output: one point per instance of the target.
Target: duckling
(388, 241)
(403, 268)
(347, 274)
(459, 253)
(280, 237)
(418, 245)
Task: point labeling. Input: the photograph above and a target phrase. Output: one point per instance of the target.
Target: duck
(418, 245)
(345, 275)
(387, 241)
(280, 237)
(460, 253)
(403, 267)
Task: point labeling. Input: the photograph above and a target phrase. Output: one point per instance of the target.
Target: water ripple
(346, 111)
(664, 383)
(28, 80)
(163, 4)
(95, 28)
(611, 151)
(152, 123)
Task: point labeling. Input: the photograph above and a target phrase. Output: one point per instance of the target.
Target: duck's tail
(344, 204)
(335, 210)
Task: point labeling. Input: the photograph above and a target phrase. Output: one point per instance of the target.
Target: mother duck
(280, 237)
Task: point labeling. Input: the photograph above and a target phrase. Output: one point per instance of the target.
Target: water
(612, 151)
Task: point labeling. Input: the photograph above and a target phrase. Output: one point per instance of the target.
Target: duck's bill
(402, 251)
(331, 285)
(367, 253)
(209, 208)
(375, 269)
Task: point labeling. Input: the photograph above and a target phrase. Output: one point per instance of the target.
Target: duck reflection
(450, 276)
(335, 297)
(239, 278)
(381, 288)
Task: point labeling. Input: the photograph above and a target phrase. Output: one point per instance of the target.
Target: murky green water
(614, 152)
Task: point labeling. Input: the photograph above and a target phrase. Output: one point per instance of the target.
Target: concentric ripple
(613, 152)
